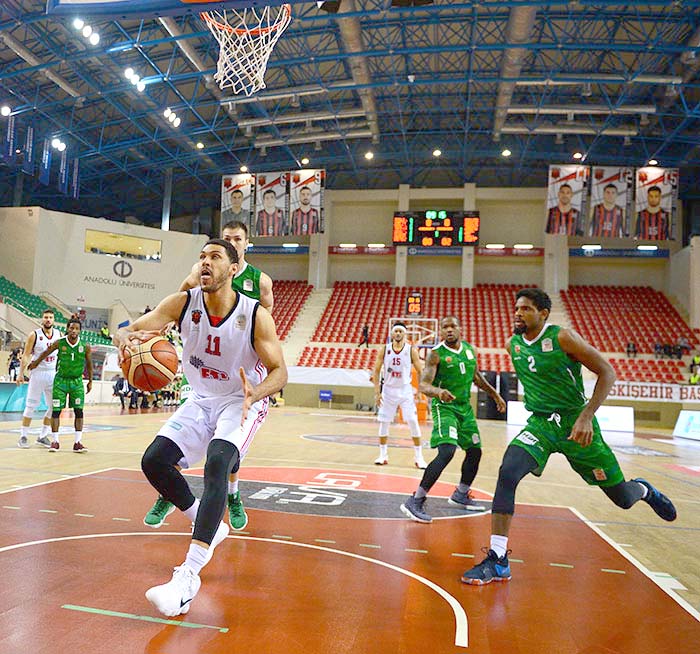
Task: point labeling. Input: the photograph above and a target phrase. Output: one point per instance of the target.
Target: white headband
(401, 327)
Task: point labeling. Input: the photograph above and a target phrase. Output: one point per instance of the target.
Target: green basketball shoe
(236, 511)
(158, 513)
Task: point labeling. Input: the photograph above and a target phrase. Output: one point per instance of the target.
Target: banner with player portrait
(271, 204)
(656, 201)
(306, 202)
(567, 199)
(612, 202)
(237, 192)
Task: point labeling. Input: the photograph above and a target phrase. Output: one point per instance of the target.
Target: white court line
(53, 481)
(461, 623)
(643, 569)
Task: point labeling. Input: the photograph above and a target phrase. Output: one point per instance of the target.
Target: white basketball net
(246, 39)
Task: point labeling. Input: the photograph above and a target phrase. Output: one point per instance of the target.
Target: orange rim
(287, 9)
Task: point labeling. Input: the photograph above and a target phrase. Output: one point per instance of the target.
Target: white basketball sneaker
(221, 533)
(174, 598)
(381, 460)
(420, 463)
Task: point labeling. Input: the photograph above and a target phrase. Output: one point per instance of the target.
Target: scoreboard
(436, 228)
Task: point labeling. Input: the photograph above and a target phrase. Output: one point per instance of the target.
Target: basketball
(151, 365)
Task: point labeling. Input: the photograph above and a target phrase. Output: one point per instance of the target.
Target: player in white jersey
(392, 389)
(41, 379)
(233, 361)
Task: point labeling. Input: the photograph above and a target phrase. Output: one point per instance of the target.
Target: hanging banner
(75, 179)
(657, 203)
(612, 202)
(63, 173)
(28, 161)
(45, 166)
(567, 199)
(237, 199)
(272, 204)
(8, 151)
(306, 202)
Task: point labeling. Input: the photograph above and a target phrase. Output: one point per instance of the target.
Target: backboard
(149, 8)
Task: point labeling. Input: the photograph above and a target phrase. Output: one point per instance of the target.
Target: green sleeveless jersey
(551, 380)
(71, 359)
(455, 372)
(248, 282)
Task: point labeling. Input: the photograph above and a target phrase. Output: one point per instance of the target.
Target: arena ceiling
(616, 81)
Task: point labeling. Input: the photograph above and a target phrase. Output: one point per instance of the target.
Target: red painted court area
(76, 562)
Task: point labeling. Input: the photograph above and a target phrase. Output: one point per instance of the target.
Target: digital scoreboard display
(436, 228)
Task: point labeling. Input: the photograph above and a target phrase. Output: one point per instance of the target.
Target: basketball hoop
(246, 38)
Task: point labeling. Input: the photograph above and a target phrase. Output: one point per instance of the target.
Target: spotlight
(128, 73)
(176, 122)
(135, 79)
(94, 38)
(305, 161)
(172, 117)
(200, 146)
(140, 87)
(653, 162)
(167, 112)
(437, 152)
(244, 168)
(78, 23)
(61, 146)
(506, 153)
(55, 142)
(5, 111)
(87, 30)
(577, 155)
(369, 155)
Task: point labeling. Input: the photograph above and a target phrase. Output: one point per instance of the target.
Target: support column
(318, 260)
(467, 271)
(556, 263)
(167, 199)
(694, 282)
(404, 204)
(19, 188)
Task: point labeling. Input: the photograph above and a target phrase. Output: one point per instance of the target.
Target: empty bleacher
(485, 312)
(290, 297)
(650, 370)
(338, 357)
(611, 316)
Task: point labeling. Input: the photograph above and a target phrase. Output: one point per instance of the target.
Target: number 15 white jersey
(397, 367)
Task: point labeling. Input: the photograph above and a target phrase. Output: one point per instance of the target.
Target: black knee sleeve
(78, 413)
(470, 465)
(625, 494)
(56, 413)
(516, 464)
(221, 458)
(432, 473)
(158, 464)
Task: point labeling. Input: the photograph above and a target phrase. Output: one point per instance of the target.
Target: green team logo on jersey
(248, 282)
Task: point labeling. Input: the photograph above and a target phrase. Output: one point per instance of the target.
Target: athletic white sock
(54, 436)
(78, 436)
(417, 452)
(45, 430)
(191, 513)
(23, 431)
(232, 487)
(196, 557)
(499, 544)
(384, 450)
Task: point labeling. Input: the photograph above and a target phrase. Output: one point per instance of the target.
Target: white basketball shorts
(392, 399)
(40, 383)
(200, 420)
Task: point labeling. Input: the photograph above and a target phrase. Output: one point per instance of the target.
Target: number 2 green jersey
(455, 372)
(551, 380)
(71, 359)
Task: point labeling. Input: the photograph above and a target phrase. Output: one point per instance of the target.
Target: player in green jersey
(447, 378)
(548, 360)
(256, 284)
(72, 357)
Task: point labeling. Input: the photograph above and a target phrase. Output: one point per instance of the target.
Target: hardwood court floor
(327, 564)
